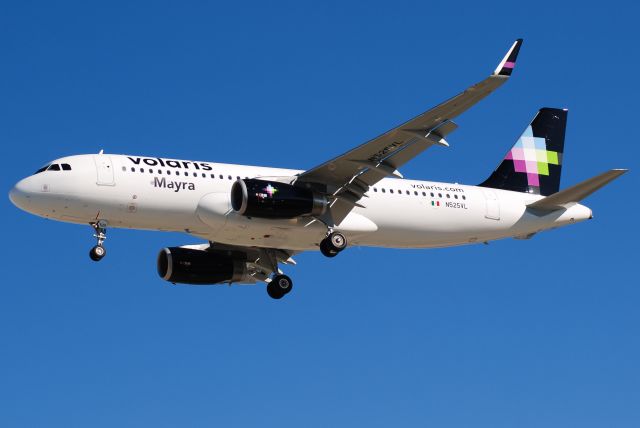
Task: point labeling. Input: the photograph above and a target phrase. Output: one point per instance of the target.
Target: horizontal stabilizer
(575, 194)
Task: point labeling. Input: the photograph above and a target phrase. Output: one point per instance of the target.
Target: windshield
(44, 168)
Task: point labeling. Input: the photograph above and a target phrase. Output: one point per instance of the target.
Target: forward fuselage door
(104, 169)
(493, 205)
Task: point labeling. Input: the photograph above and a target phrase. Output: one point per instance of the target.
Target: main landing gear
(98, 252)
(279, 286)
(333, 244)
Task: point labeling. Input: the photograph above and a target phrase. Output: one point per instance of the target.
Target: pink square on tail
(520, 165)
(533, 179)
(517, 153)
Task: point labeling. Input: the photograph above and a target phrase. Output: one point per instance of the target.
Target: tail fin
(534, 163)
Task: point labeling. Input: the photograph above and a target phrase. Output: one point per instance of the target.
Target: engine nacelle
(199, 267)
(271, 199)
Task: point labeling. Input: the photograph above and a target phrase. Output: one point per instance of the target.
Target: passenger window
(390, 190)
(439, 195)
(169, 172)
(464, 197)
(455, 196)
(177, 172)
(213, 176)
(375, 190)
(141, 169)
(432, 194)
(133, 169)
(54, 167)
(195, 174)
(229, 177)
(424, 194)
(67, 167)
(448, 196)
(383, 191)
(408, 192)
(221, 176)
(160, 171)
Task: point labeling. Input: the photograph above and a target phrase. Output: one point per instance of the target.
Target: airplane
(255, 219)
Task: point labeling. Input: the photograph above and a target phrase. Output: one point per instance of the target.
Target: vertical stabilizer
(534, 163)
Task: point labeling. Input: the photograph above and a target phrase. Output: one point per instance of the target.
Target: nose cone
(20, 195)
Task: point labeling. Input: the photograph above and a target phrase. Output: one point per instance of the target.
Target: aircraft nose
(20, 195)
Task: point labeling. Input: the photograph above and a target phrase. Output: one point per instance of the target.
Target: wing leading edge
(347, 177)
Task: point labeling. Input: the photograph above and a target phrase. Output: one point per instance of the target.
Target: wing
(348, 177)
(260, 262)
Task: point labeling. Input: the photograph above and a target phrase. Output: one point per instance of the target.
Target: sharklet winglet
(508, 63)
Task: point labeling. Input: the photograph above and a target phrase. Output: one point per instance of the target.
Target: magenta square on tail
(520, 165)
(533, 179)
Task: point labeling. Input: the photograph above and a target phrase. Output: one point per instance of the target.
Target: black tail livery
(534, 163)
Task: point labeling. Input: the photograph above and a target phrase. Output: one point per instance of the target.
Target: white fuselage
(194, 197)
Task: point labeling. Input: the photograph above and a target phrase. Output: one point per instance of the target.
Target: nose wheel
(333, 244)
(279, 286)
(98, 252)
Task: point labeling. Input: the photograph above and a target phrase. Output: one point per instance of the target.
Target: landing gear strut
(98, 252)
(279, 286)
(333, 244)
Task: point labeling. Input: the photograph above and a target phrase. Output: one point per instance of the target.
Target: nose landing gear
(98, 252)
(333, 244)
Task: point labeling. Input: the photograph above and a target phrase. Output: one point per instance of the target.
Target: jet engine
(200, 267)
(271, 199)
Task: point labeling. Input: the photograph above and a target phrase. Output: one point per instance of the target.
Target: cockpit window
(54, 167)
(44, 168)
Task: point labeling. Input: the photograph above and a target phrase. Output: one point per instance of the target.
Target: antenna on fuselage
(101, 151)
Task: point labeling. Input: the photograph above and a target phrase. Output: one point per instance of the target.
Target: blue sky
(517, 333)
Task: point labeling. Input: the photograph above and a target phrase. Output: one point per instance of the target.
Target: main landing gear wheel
(333, 244)
(279, 286)
(98, 252)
